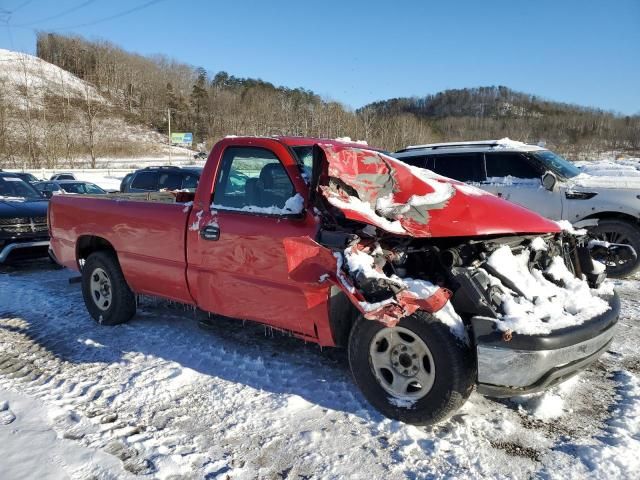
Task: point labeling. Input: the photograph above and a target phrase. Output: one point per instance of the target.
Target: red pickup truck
(433, 286)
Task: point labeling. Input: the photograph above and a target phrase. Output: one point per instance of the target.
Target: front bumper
(531, 363)
(24, 249)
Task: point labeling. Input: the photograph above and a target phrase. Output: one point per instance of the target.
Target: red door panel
(244, 274)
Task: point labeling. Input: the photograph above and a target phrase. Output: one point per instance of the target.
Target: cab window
(252, 177)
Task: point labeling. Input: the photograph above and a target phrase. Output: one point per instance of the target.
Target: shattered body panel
(373, 188)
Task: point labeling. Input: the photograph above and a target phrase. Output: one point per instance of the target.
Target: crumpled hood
(17, 207)
(585, 180)
(373, 188)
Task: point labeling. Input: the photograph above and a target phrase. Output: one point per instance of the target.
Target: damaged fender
(311, 263)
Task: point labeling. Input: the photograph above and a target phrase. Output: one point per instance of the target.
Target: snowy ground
(160, 397)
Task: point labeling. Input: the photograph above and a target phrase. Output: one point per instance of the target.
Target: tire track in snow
(167, 398)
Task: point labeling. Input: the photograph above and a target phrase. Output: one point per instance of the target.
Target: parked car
(153, 179)
(433, 285)
(50, 188)
(543, 181)
(23, 220)
(63, 176)
(27, 177)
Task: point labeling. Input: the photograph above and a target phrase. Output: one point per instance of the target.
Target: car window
(304, 154)
(93, 189)
(516, 165)
(170, 181)
(11, 186)
(73, 187)
(145, 181)
(190, 181)
(82, 188)
(416, 161)
(252, 177)
(465, 167)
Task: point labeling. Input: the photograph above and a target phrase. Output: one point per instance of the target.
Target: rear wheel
(619, 231)
(106, 294)
(417, 372)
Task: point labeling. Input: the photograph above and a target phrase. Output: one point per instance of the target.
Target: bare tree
(91, 110)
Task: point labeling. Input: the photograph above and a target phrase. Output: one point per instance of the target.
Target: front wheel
(106, 294)
(619, 231)
(417, 372)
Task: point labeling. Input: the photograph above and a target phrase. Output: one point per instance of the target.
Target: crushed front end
(525, 295)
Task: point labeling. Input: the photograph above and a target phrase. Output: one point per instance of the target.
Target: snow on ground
(611, 166)
(160, 397)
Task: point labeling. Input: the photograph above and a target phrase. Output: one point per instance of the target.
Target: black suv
(153, 179)
(23, 220)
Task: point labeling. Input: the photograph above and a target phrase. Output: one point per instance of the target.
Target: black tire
(121, 303)
(620, 231)
(454, 370)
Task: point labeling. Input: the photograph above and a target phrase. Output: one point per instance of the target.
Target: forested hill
(144, 90)
(493, 102)
(490, 112)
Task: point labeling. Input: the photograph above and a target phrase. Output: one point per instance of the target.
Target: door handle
(210, 232)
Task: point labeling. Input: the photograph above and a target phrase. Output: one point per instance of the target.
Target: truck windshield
(557, 164)
(15, 187)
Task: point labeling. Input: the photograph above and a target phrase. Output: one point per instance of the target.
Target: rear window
(145, 181)
(465, 167)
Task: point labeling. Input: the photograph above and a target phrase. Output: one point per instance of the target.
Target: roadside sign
(182, 139)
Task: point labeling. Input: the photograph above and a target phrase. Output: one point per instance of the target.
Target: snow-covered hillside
(22, 71)
(49, 117)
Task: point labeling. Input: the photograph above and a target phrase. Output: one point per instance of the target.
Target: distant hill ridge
(496, 102)
(131, 97)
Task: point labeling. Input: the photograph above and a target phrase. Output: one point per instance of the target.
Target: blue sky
(585, 52)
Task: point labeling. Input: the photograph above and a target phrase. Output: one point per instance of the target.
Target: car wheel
(417, 372)
(106, 294)
(619, 231)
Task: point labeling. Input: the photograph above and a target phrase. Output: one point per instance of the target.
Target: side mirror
(549, 181)
(47, 194)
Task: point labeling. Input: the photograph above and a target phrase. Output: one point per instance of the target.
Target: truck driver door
(236, 250)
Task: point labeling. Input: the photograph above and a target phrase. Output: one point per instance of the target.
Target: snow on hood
(376, 189)
(585, 180)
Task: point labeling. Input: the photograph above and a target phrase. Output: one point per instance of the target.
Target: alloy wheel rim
(614, 237)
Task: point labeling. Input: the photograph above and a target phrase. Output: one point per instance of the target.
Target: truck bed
(146, 229)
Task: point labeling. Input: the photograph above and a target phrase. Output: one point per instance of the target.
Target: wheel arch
(342, 315)
(608, 215)
(88, 244)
